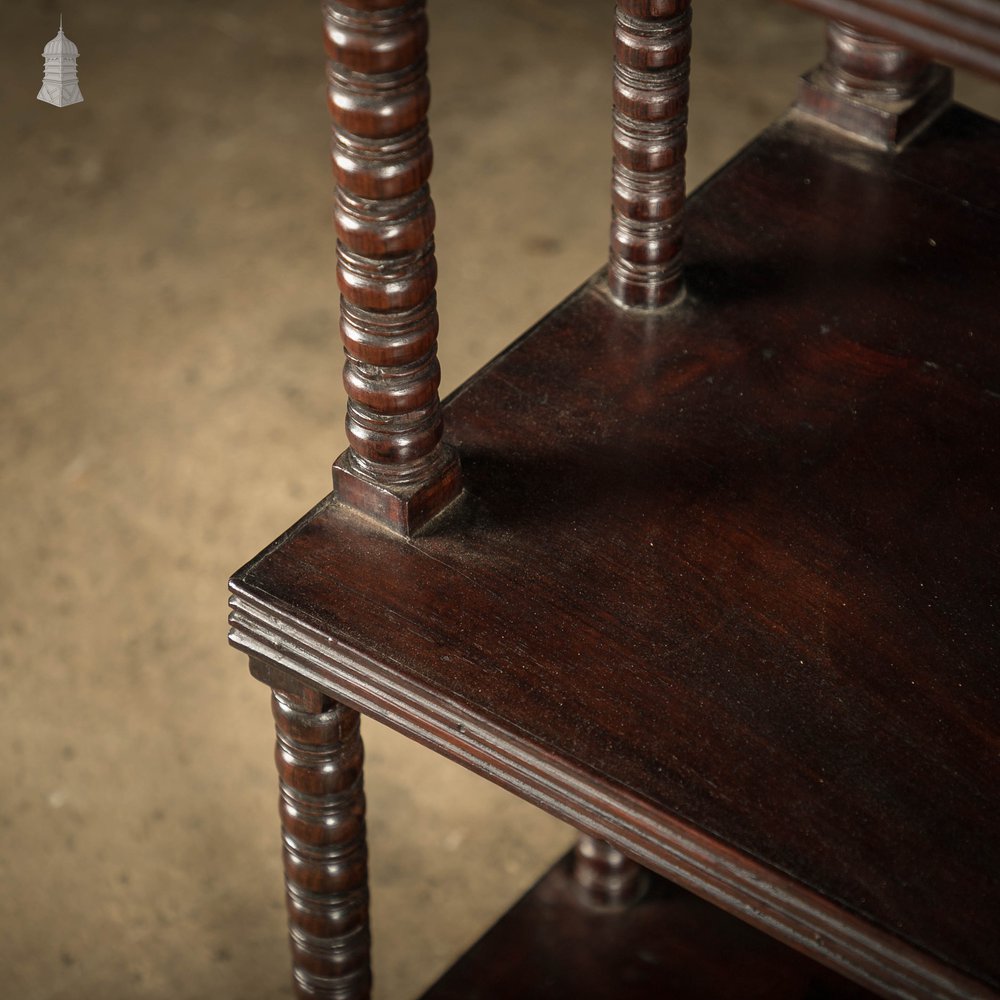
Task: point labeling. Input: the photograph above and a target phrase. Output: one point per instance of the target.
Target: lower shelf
(553, 944)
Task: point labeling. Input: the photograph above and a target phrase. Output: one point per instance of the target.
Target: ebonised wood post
(396, 469)
(862, 63)
(604, 875)
(320, 768)
(652, 49)
(878, 91)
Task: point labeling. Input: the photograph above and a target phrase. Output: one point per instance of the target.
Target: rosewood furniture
(705, 563)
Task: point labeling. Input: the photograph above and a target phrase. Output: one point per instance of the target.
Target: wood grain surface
(552, 945)
(723, 588)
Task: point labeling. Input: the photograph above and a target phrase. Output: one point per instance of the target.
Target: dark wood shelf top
(723, 588)
(554, 944)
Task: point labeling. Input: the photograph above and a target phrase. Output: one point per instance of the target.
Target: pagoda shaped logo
(60, 85)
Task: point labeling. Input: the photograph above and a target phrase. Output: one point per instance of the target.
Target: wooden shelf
(723, 589)
(554, 944)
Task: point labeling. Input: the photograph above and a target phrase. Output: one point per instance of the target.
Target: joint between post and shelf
(878, 92)
(404, 507)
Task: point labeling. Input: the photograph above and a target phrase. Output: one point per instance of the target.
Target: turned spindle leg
(320, 759)
(396, 469)
(604, 875)
(652, 48)
(878, 91)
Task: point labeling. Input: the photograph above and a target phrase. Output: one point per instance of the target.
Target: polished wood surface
(554, 945)
(396, 469)
(722, 590)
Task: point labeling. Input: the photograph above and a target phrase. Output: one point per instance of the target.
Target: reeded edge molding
(738, 883)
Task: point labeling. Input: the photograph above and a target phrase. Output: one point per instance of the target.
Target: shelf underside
(553, 945)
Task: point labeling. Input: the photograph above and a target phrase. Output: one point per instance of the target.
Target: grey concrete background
(170, 401)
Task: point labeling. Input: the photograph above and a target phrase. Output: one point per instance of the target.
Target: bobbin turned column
(604, 876)
(396, 469)
(320, 758)
(652, 48)
(880, 92)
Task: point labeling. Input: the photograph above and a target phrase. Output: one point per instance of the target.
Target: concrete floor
(170, 401)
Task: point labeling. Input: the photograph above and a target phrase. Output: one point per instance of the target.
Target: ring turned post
(604, 876)
(322, 803)
(651, 83)
(874, 89)
(396, 469)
